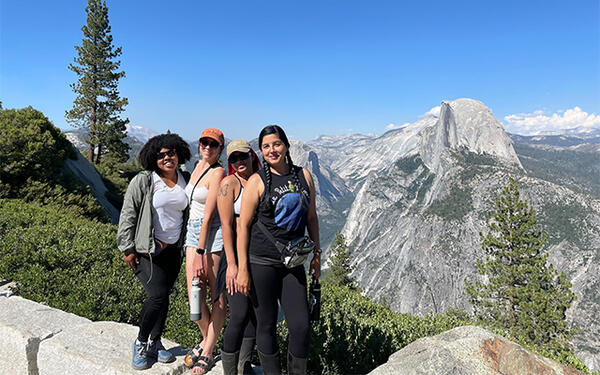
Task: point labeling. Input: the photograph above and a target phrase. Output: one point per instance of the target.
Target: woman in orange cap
(204, 245)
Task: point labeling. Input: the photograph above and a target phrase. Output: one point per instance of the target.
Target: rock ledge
(37, 339)
(469, 350)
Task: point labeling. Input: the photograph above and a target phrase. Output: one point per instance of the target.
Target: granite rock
(23, 326)
(469, 350)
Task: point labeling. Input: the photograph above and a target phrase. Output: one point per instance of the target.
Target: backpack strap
(186, 176)
(271, 238)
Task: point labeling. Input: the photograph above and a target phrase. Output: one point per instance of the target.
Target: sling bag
(295, 252)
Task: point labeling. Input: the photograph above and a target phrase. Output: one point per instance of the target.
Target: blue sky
(315, 67)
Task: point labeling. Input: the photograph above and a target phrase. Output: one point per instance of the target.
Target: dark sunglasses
(234, 158)
(212, 144)
(170, 153)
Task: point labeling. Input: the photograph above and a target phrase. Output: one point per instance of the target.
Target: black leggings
(164, 270)
(242, 322)
(270, 283)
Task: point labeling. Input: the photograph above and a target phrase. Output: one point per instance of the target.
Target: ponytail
(267, 171)
(293, 169)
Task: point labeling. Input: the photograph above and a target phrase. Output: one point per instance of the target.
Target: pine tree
(98, 104)
(340, 263)
(523, 295)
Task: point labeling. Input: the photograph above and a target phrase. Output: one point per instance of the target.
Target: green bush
(34, 152)
(179, 327)
(355, 334)
(70, 262)
(31, 146)
(116, 177)
(71, 196)
(66, 261)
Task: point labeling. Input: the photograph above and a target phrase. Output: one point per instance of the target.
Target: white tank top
(198, 203)
(237, 203)
(198, 200)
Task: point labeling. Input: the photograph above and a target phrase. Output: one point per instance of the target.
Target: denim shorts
(214, 241)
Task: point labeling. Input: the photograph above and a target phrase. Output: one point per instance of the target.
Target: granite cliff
(421, 197)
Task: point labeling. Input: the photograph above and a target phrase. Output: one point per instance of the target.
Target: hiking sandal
(191, 358)
(208, 364)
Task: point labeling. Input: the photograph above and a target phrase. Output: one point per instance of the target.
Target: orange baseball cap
(213, 133)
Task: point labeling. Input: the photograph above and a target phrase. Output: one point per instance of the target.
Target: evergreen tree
(523, 295)
(340, 263)
(98, 104)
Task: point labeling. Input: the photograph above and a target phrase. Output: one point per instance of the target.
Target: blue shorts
(214, 241)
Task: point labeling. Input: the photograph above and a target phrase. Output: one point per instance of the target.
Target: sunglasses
(170, 153)
(212, 144)
(234, 158)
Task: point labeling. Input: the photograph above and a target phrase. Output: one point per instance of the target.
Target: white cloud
(435, 112)
(538, 122)
(394, 126)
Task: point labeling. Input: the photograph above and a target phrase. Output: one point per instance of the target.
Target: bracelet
(317, 251)
(200, 251)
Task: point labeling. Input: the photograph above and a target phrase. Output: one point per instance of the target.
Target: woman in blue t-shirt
(282, 197)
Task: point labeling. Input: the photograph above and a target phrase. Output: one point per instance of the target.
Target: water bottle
(195, 301)
(314, 300)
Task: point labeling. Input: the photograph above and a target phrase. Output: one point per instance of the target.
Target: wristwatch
(317, 251)
(200, 251)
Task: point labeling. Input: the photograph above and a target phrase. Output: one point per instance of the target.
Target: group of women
(225, 227)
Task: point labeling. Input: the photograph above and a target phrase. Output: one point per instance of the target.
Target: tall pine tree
(340, 263)
(98, 104)
(523, 295)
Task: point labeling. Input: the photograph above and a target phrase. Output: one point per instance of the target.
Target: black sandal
(208, 364)
(191, 358)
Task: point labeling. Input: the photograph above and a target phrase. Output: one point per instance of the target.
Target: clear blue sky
(315, 67)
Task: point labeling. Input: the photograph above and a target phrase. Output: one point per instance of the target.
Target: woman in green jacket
(150, 235)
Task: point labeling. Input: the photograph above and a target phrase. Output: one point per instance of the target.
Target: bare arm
(211, 205)
(252, 192)
(225, 197)
(312, 223)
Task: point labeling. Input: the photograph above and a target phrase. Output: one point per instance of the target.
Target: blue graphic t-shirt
(283, 211)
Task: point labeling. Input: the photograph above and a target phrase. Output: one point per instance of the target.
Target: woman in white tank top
(240, 333)
(204, 245)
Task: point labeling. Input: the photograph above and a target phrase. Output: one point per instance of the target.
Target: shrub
(34, 152)
(66, 261)
(179, 327)
(355, 334)
(116, 177)
(31, 145)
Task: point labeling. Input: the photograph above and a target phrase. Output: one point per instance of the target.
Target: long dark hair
(276, 129)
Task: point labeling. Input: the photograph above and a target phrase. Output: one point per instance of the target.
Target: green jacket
(136, 228)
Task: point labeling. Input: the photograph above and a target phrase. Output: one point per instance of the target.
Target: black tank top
(283, 211)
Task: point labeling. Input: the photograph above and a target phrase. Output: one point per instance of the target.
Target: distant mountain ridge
(422, 193)
(140, 132)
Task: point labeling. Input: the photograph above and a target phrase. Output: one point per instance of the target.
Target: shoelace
(154, 346)
(143, 349)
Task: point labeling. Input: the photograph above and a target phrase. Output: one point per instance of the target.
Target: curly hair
(147, 156)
